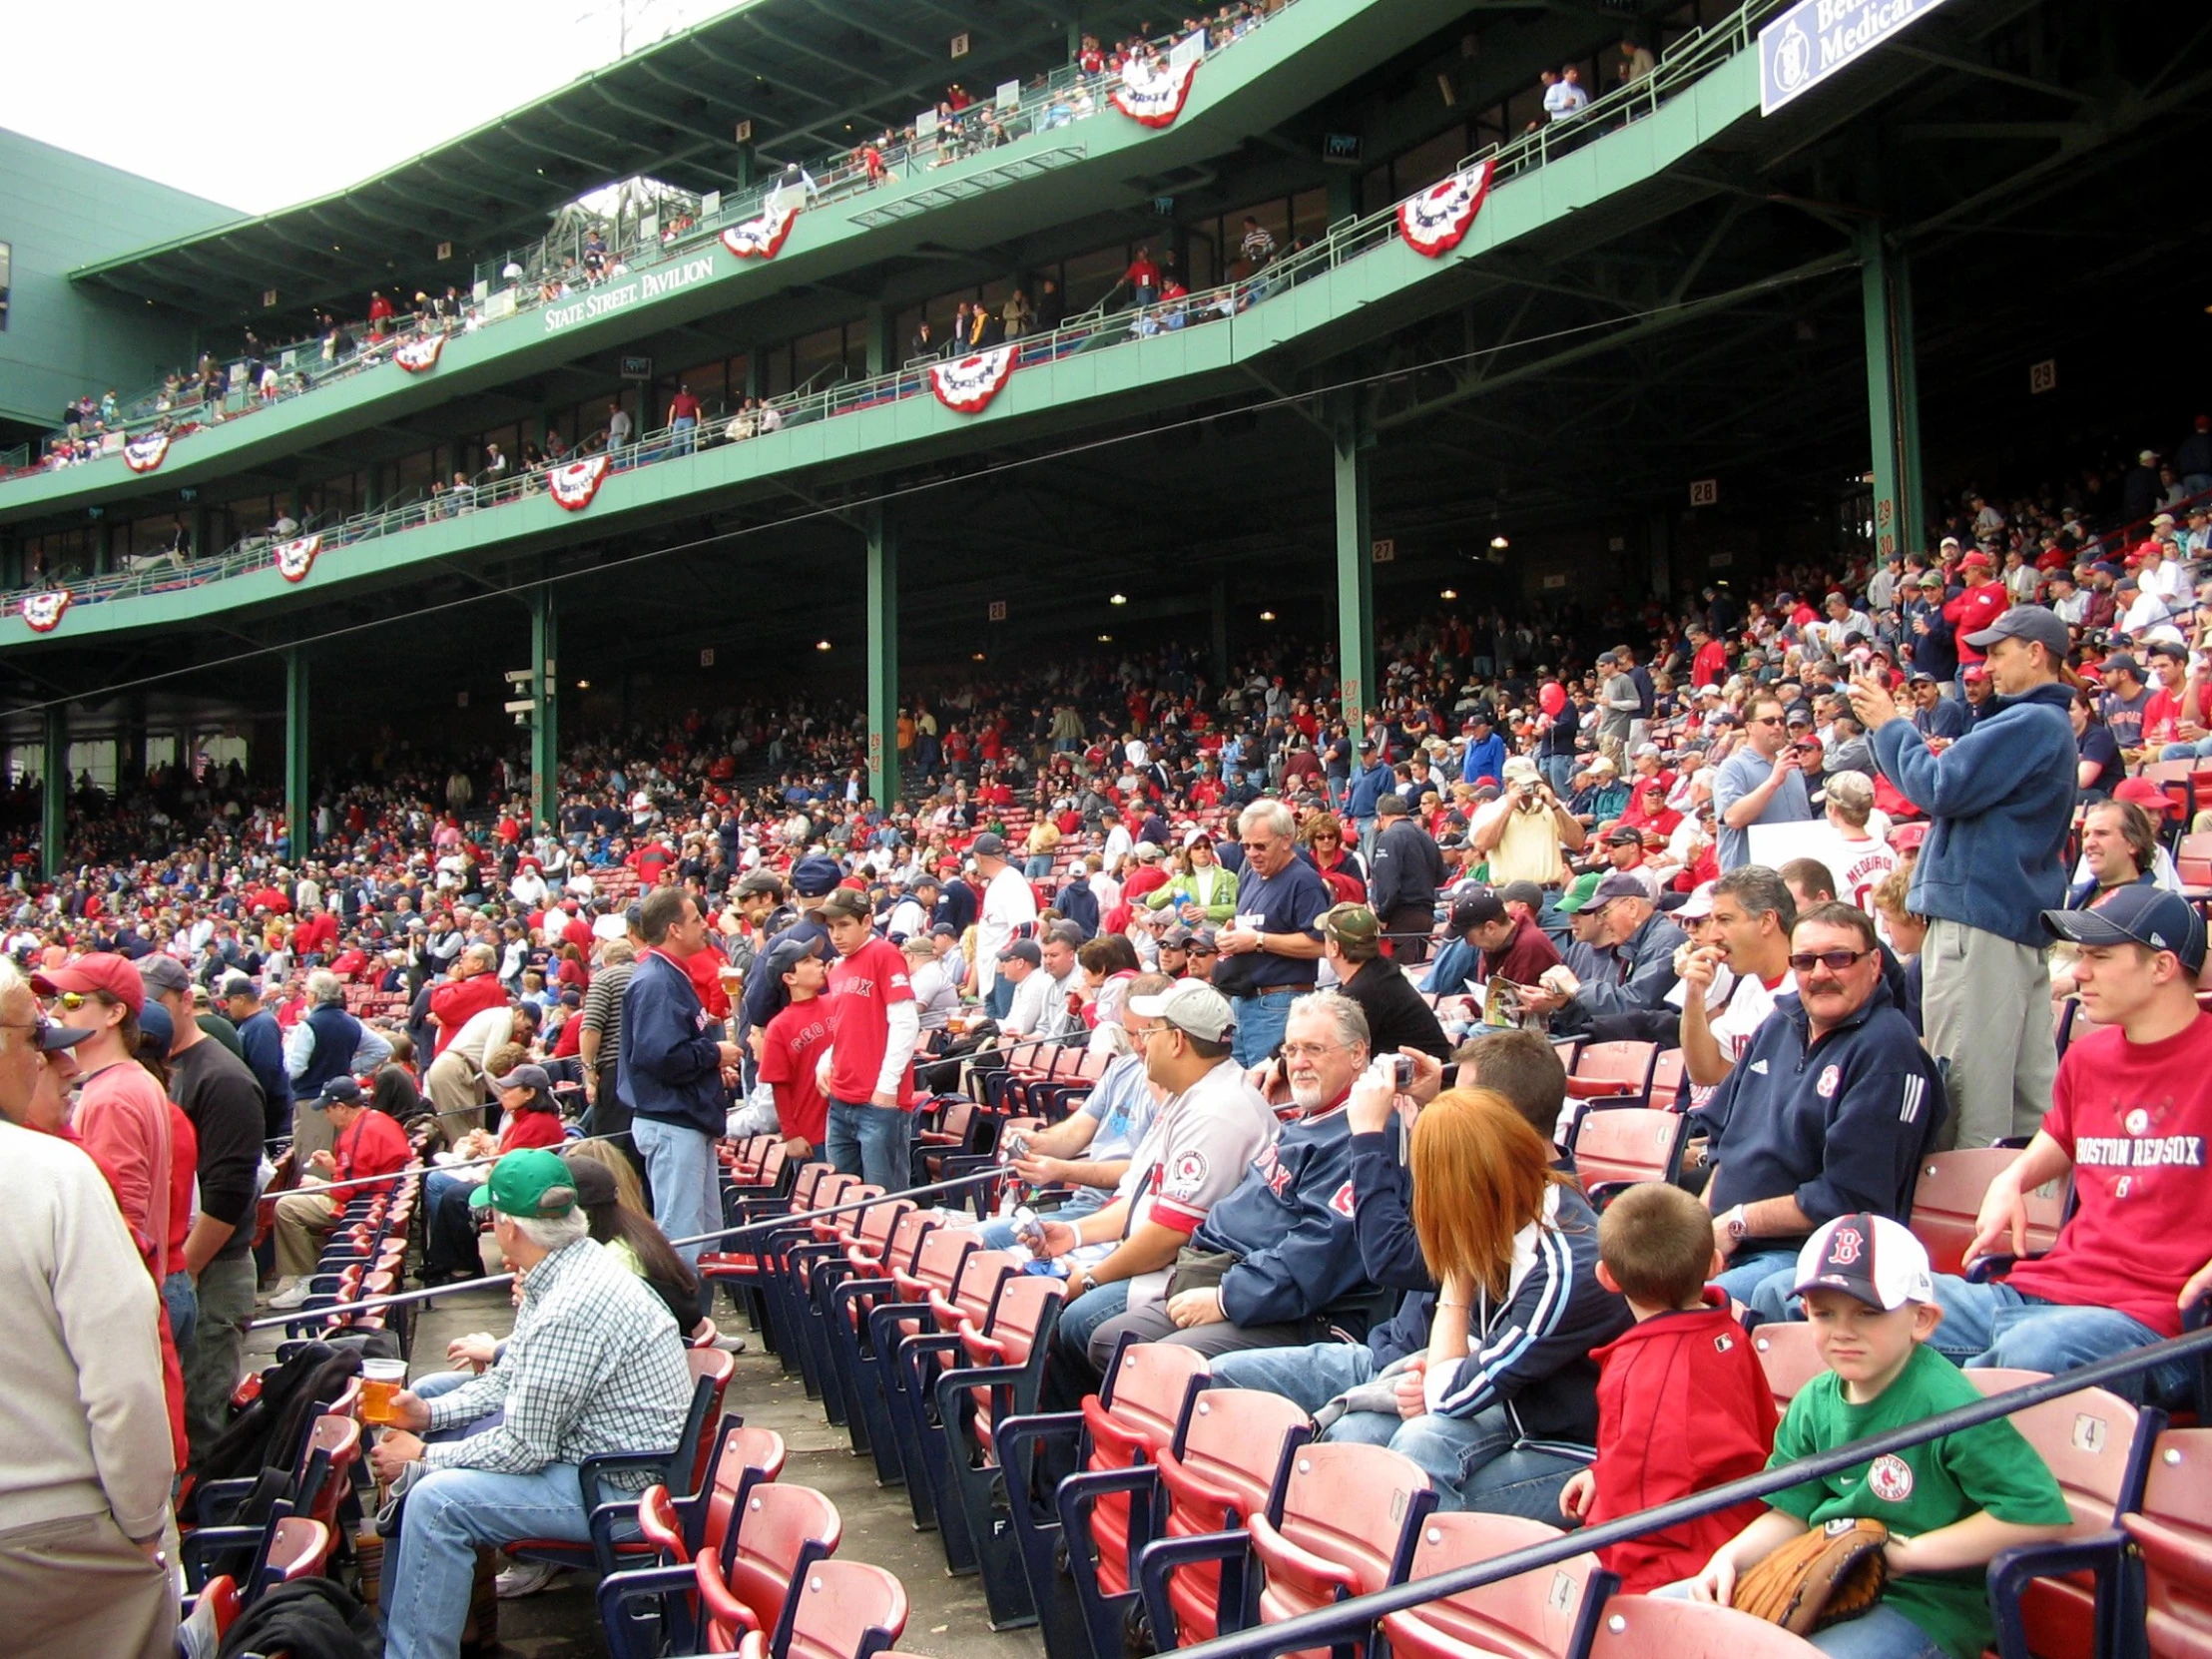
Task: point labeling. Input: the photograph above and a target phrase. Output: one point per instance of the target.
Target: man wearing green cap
(593, 1365)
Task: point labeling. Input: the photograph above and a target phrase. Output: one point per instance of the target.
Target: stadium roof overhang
(810, 76)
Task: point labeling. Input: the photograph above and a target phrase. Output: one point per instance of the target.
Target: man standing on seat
(1274, 946)
(670, 1072)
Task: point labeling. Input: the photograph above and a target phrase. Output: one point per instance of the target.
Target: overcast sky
(258, 104)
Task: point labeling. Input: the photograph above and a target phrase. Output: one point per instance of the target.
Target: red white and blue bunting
(145, 451)
(43, 610)
(969, 386)
(574, 485)
(762, 238)
(1433, 221)
(420, 354)
(1157, 98)
(296, 558)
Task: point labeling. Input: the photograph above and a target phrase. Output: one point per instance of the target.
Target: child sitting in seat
(1682, 1401)
(1951, 1504)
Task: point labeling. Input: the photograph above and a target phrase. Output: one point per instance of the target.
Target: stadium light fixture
(1119, 599)
(1500, 543)
(821, 644)
(1266, 616)
(1450, 593)
(583, 685)
(1105, 639)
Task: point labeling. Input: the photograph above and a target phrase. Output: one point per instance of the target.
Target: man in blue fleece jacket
(1999, 800)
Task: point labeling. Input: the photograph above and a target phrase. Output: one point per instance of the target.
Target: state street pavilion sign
(610, 297)
(1815, 38)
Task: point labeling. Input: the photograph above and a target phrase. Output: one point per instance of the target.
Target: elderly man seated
(594, 1364)
(368, 1144)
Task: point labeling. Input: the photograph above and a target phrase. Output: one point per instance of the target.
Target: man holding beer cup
(593, 1365)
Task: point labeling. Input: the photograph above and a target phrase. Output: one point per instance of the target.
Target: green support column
(882, 658)
(1892, 392)
(545, 718)
(882, 350)
(1354, 563)
(54, 792)
(299, 809)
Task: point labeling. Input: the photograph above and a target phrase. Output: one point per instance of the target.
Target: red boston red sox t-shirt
(791, 1044)
(862, 987)
(2135, 1118)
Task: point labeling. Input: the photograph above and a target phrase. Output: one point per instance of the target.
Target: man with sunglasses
(1827, 1113)
(1762, 783)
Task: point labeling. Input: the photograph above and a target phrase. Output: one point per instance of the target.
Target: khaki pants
(301, 1220)
(73, 1588)
(310, 1132)
(1986, 1006)
(456, 1094)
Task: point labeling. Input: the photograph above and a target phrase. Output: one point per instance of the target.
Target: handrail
(539, 260)
(1346, 239)
(1320, 1627)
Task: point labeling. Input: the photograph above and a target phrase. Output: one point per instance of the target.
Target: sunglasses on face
(1833, 960)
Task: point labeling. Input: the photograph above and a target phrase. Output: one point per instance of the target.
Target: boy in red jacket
(1682, 1401)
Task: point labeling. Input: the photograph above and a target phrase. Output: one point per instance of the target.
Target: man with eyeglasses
(1762, 783)
(1827, 1112)
(1277, 1248)
(1272, 952)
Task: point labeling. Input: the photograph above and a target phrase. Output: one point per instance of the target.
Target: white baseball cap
(1869, 1257)
(1192, 1006)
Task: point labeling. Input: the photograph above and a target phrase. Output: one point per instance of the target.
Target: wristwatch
(1734, 1221)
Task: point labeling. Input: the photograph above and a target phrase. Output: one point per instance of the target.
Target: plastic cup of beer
(380, 1380)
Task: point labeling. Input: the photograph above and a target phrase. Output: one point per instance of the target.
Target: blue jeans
(872, 1142)
(444, 1382)
(451, 1225)
(1080, 1319)
(1558, 770)
(1036, 866)
(687, 1182)
(1260, 1021)
(1882, 1632)
(1478, 1463)
(681, 432)
(1995, 1326)
(1754, 1273)
(449, 1514)
(2187, 751)
(181, 1297)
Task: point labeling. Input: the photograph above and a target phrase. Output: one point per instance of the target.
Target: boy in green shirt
(1951, 1504)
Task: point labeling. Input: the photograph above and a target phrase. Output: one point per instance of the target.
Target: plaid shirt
(593, 1365)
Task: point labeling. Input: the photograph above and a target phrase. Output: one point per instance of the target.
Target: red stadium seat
(1786, 1354)
(845, 1610)
(1544, 1614)
(1235, 1451)
(1619, 1148)
(2173, 1535)
(1645, 1627)
(1949, 1199)
(1345, 1525)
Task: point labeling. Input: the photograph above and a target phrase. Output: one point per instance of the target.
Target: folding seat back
(1144, 1403)
(1669, 1072)
(1619, 1148)
(745, 1457)
(1787, 1354)
(1617, 1068)
(1344, 1525)
(2173, 1533)
(846, 1611)
(1547, 1613)
(780, 1533)
(974, 1290)
(2097, 1446)
(297, 1548)
(938, 1264)
(1235, 1450)
(1645, 1627)
(1948, 1201)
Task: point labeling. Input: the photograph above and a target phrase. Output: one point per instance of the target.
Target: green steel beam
(298, 804)
(1351, 449)
(545, 736)
(53, 847)
(1892, 392)
(882, 657)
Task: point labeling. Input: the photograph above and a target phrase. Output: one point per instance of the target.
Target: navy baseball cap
(2143, 916)
(816, 877)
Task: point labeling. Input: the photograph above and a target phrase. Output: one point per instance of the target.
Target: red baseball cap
(2147, 796)
(1907, 838)
(1976, 557)
(101, 971)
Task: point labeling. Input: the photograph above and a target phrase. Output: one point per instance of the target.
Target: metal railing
(1066, 97)
(1327, 1625)
(1098, 329)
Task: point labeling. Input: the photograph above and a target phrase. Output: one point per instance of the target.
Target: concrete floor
(948, 1616)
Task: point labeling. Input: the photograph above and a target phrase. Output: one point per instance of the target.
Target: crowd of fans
(1822, 839)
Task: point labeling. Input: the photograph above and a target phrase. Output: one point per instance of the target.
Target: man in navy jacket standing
(670, 1071)
(2000, 799)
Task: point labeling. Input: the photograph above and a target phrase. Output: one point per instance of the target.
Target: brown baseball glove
(1832, 1572)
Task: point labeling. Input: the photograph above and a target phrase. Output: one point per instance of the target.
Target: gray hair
(480, 953)
(324, 987)
(1278, 819)
(1349, 1019)
(1760, 890)
(551, 1233)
